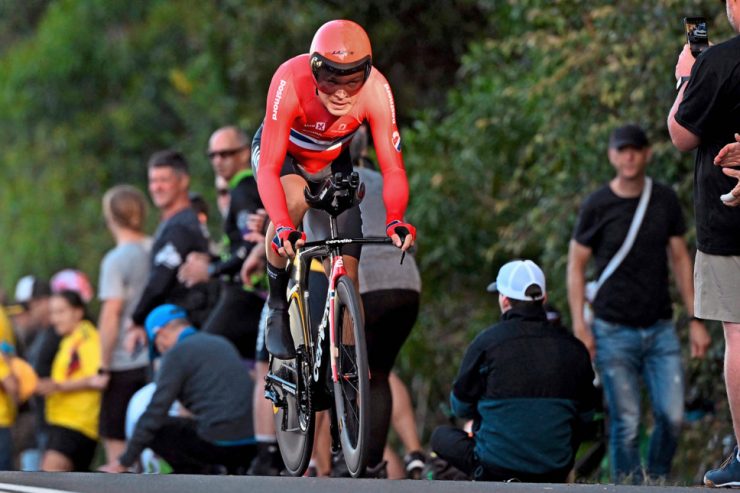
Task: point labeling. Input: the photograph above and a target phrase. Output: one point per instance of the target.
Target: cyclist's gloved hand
(403, 234)
(286, 239)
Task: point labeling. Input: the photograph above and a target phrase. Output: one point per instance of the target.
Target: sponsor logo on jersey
(168, 256)
(396, 140)
(390, 101)
(278, 97)
(320, 126)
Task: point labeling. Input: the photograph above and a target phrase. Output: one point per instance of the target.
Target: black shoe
(278, 339)
(379, 471)
(267, 462)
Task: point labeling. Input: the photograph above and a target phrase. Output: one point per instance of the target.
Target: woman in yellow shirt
(73, 391)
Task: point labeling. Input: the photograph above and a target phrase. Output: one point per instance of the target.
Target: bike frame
(323, 248)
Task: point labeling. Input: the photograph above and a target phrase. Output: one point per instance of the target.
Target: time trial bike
(330, 369)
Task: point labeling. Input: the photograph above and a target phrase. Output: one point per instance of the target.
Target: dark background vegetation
(505, 108)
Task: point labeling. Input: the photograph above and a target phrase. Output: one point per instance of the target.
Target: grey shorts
(717, 287)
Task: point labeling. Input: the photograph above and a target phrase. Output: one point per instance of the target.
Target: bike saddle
(337, 193)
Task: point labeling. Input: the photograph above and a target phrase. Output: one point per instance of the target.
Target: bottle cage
(337, 194)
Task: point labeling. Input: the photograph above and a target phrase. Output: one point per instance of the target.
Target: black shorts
(316, 222)
(236, 317)
(78, 448)
(122, 385)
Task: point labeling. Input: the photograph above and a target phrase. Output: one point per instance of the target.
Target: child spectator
(72, 393)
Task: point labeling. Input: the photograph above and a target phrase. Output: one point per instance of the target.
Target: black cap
(628, 136)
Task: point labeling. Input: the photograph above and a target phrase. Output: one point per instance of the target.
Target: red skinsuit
(296, 122)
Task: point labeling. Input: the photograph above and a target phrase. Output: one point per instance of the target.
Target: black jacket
(528, 386)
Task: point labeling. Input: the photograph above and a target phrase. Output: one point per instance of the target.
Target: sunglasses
(222, 191)
(225, 153)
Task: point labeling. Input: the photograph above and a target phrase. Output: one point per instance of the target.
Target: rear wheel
(294, 414)
(352, 386)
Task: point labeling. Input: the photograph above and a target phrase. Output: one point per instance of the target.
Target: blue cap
(161, 316)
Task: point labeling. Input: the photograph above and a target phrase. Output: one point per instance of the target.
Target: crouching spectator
(527, 386)
(203, 372)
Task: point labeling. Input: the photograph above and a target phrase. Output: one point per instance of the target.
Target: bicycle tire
(352, 387)
(295, 419)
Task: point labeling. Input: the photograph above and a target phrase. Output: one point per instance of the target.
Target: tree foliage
(88, 89)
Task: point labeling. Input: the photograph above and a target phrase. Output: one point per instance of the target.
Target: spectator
(527, 386)
(29, 311)
(72, 280)
(123, 275)
(200, 206)
(17, 383)
(7, 336)
(205, 374)
(212, 287)
(179, 233)
(705, 117)
(8, 403)
(41, 345)
(403, 421)
(633, 334)
(72, 393)
(390, 294)
(236, 315)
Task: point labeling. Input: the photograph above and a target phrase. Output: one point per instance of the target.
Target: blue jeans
(623, 355)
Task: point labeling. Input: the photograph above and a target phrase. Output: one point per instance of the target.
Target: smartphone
(696, 33)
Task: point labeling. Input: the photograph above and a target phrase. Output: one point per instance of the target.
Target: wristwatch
(681, 81)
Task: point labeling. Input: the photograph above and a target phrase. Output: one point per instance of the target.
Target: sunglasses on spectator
(225, 153)
(222, 191)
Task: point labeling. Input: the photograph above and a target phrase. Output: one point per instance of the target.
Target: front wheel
(352, 382)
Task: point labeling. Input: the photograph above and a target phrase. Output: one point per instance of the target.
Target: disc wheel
(352, 386)
(294, 417)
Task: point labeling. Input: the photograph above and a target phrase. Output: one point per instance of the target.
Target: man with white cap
(527, 386)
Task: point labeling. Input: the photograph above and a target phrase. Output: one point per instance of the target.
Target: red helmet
(341, 47)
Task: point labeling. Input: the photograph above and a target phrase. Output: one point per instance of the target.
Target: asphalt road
(18, 482)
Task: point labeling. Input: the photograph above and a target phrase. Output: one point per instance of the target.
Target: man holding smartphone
(705, 117)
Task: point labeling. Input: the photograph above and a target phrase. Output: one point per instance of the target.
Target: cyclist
(315, 104)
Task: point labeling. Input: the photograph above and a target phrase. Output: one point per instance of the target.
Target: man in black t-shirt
(179, 233)
(237, 313)
(633, 334)
(706, 116)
